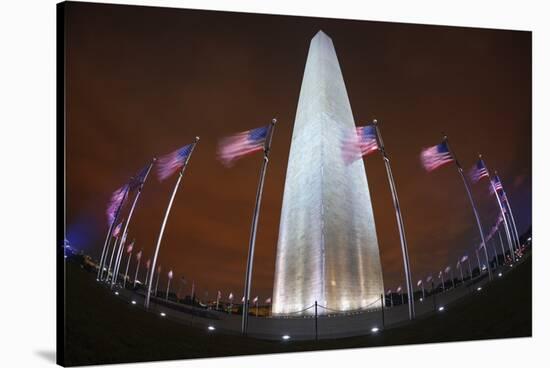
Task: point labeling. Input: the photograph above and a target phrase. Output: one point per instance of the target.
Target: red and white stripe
(234, 147)
(432, 159)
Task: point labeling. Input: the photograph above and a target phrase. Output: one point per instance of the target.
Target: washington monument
(327, 249)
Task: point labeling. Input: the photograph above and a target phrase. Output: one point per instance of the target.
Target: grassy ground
(104, 329)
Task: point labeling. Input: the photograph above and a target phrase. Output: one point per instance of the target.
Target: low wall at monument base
(305, 327)
(355, 323)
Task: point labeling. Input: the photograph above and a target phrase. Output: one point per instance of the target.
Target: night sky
(143, 81)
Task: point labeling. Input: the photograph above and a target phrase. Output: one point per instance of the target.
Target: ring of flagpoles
(368, 140)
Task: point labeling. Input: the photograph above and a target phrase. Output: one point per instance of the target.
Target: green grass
(103, 329)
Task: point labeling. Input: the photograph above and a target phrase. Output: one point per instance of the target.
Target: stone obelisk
(327, 249)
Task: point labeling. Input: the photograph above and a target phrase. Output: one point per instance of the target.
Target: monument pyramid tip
(320, 33)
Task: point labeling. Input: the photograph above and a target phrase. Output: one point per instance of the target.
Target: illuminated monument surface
(327, 249)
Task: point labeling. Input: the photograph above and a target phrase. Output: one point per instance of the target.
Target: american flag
(170, 274)
(234, 147)
(361, 142)
(230, 296)
(255, 300)
(447, 269)
(138, 180)
(398, 289)
(479, 171)
(436, 156)
(138, 256)
(419, 283)
(388, 292)
(458, 264)
(116, 231)
(497, 183)
(440, 274)
(148, 264)
(464, 259)
(428, 279)
(130, 247)
(173, 161)
(268, 301)
(117, 200)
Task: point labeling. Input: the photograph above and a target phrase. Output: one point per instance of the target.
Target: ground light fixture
(211, 328)
(285, 337)
(500, 274)
(421, 299)
(162, 314)
(478, 288)
(116, 292)
(441, 309)
(375, 329)
(133, 302)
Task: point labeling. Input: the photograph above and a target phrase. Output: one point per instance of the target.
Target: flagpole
(510, 213)
(106, 247)
(105, 261)
(469, 191)
(250, 258)
(131, 213)
(504, 219)
(515, 240)
(512, 236)
(121, 245)
(513, 230)
(400, 225)
(126, 273)
(506, 226)
(111, 260)
(502, 245)
(137, 269)
(503, 211)
(108, 238)
(166, 218)
(168, 288)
